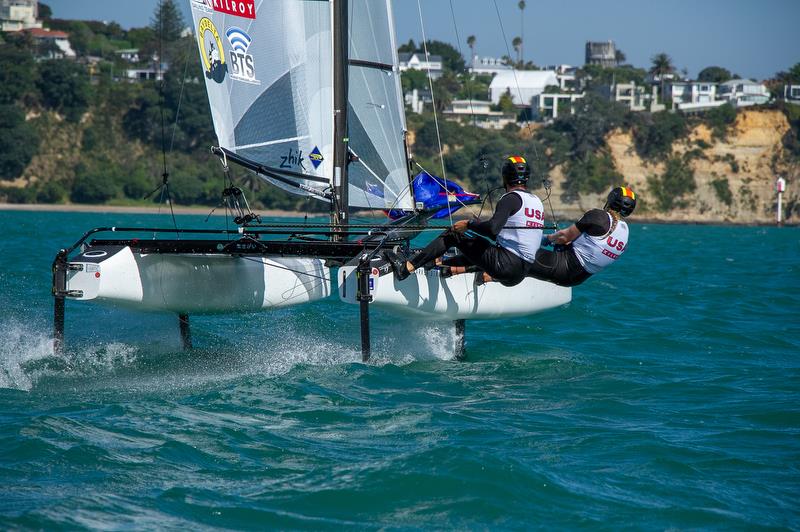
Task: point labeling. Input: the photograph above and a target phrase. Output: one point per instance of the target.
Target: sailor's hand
(460, 226)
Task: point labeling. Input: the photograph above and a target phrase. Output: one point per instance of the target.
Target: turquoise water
(664, 396)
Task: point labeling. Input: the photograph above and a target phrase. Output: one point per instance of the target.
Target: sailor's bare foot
(410, 267)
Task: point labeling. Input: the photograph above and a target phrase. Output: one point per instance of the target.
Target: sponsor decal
(202, 5)
(316, 157)
(242, 64)
(239, 8)
(294, 158)
(211, 51)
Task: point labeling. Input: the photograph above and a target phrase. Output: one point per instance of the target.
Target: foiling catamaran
(307, 95)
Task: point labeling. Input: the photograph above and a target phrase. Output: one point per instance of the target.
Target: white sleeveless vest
(524, 242)
(597, 252)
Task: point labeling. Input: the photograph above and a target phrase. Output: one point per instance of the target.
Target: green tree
(521, 6)
(714, 74)
(669, 189)
(654, 134)
(451, 58)
(413, 79)
(65, 88)
(408, 48)
(17, 70)
(471, 43)
(720, 119)
(80, 36)
(662, 67)
(45, 13)
(167, 25)
(516, 42)
(506, 103)
(21, 142)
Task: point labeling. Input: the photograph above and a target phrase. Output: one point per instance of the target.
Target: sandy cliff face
(748, 160)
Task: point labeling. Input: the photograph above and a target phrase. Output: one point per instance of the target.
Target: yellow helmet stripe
(628, 193)
(515, 159)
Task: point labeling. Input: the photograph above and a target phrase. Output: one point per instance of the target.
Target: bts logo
(242, 64)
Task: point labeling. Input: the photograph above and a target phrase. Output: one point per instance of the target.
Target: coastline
(125, 209)
(277, 213)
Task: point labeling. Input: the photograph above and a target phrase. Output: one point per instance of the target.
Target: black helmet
(622, 200)
(516, 171)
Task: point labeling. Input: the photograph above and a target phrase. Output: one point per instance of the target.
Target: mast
(339, 203)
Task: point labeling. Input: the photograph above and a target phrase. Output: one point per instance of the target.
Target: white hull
(195, 283)
(425, 294)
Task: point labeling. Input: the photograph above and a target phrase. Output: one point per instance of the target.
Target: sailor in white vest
(594, 242)
(516, 227)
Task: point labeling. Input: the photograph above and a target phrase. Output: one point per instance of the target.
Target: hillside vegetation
(74, 138)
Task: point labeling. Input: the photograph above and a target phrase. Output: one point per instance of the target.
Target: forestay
(376, 120)
(269, 75)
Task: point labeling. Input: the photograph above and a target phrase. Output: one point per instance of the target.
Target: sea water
(664, 396)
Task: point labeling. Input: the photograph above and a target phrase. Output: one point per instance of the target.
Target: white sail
(376, 119)
(269, 77)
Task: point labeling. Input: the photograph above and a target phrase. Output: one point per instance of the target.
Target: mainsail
(269, 68)
(269, 77)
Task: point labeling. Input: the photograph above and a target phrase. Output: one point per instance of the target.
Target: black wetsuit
(503, 265)
(562, 265)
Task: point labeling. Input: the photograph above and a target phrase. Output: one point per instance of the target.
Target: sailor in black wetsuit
(516, 227)
(592, 243)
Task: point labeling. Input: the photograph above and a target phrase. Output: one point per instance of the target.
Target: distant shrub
(51, 192)
(654, 134)
(669, 189)
(720, 119)
(723, 190)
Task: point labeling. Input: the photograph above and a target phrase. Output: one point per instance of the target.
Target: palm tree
(662, 66)
(517, 44)
(471, 44)
(521, 6)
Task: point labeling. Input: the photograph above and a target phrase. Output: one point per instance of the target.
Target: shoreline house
(547, 106)
(488, 66)
(791, 93)
(478, 112)
(522, 85)
(743, 92)
(51, 44)
(417, 61)
(693, 95)
(601, 53)
(18, 15)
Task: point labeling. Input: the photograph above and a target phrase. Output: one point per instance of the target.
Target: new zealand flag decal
(316, 157)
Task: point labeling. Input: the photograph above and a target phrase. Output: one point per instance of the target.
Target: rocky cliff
(734, 177)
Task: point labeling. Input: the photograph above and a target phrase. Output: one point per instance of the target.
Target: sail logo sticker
(294, 158)
(239, 8)
(202, 5)
(242, 64)
(211, 50)
(316, 157)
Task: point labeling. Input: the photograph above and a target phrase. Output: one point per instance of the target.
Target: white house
(153, 72)
(417, 61)
(523, 85)
(481, 112)
(791, 93)
(131, 55)
(56, 43)
(743, 92)
(16, 15)
(488, 65)
(546, 106)
(692, 91)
